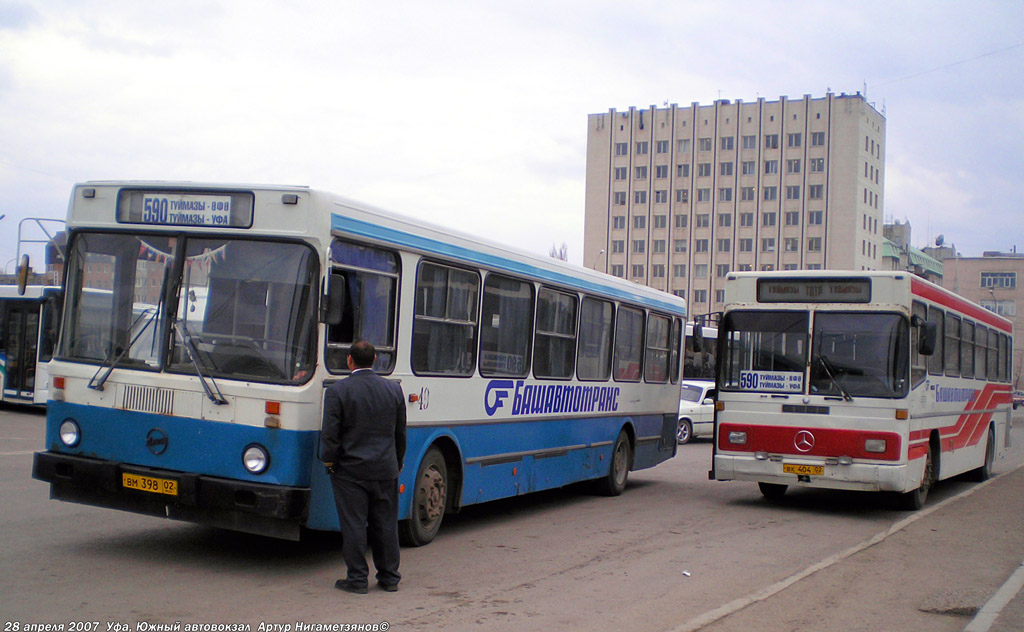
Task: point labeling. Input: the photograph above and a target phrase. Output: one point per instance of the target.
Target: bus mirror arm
(332, 304)
(928, 338)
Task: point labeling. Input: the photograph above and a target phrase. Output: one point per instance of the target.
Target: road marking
(983, 621)
(739, 604)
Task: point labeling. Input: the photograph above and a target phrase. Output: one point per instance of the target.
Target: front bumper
(273, 510)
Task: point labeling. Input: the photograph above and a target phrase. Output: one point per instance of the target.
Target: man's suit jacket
(363, 430)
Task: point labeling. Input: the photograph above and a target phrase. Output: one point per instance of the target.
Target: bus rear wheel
(618, 469)
(984, 472)
(914, 500)
(429, 499)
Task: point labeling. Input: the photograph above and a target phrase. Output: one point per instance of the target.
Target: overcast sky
(473, 114)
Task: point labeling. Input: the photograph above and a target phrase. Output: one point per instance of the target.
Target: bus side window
(952, 350)
(444, 328)
(629, 344)
(505, 327)
(657, 356)
(967, 349)
(918, 368)
(674, 348)
(594, 358)
(555, 338)
(981, 352)
(935, 360)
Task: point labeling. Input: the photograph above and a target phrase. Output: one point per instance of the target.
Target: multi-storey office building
(677, 197)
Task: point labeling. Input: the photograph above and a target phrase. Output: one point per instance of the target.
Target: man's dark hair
(362, 354)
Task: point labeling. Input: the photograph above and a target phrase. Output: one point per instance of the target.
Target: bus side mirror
(23, 270)
(698, 334)
(928, 338)
(332, 309)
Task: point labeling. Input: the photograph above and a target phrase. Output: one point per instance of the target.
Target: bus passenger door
(22, 340)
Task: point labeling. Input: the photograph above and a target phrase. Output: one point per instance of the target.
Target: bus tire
(429, 499)
(984, 472)
(772, 491)
(618, 469)
(914, 500)
(684, 432)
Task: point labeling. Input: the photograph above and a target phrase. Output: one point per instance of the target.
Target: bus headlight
(255, 459)
(70, 434)
(874, 445)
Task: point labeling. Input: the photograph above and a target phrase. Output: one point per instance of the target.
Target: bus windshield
(246, 308)
(852, 354)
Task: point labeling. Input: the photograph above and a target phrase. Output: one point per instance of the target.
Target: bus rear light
(272, 408)
(874, 445)
(737, 438)
(845, 460)
(902, 413)
(58, 383)
(719, 405)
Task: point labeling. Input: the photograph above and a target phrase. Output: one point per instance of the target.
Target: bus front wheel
(914, 500)
(429, 498)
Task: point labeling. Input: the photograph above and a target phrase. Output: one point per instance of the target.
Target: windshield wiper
(96, 382)
(830, 371)
(193, 355)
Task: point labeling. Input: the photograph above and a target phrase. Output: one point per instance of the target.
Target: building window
(793, 165)
(768, 244)
(658, 271)
(789, 266)
(638, 246)
(641, 173)
(746, 245)
(727, 143)
(658, 246)
(816, 191)
(621, 149)
(619, 221)
(725, 194)
(815, 218)
(791, 244)
(771, 141)
(792, 218)
(679, 245)
(793, 192)
(705, 144)
(621, 173)
(793, 140)
(704, 195)
(679, 270)
(684, 146)
(683, 171)
(747, 194)
(703, 220)
(638, 271)
(700, 296)
(749, 167)
(746, 219)
(722, 270)
(640, 197)
(771, 193)
(680, 220)
(660, 197)
(661, 171)
(1003, 308)
(724, 245)
(618, 246)
(704, 169)
(682, 195)
(750, 142)
(700, 271)
(641, 147)
(814, 244)
(767, 267)
(661, 221)
(617, 270)
(817, 165)
(620, 198)
(724, 219)
(719, 296)
(817, 139)
(700, 245)
(725, 169)
(768, 219)
(662, 147)
(999, 279)
(639, 221)
(771, 166)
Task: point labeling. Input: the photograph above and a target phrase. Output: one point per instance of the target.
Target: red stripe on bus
(940, 296)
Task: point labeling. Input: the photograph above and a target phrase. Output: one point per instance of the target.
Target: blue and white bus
(26, 343)
(195, 390)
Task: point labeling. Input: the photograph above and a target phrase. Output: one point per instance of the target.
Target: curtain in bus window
(555, 341)
(865, 354)
(764, 350)
(370, 304)
(629, 344)
(594, 356)
(444, 326)
(656, 359)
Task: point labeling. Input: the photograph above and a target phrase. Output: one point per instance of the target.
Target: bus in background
(876, 381)
(701, 350)
(26, 342)
(194, 387)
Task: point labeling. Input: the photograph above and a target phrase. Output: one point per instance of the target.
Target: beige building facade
(677, 197)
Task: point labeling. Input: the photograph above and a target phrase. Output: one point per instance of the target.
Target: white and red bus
(875, 381)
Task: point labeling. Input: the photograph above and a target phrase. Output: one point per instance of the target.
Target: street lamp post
(593, 266)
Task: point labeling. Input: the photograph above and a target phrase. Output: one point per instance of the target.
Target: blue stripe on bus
(194, 445)
(401, 238)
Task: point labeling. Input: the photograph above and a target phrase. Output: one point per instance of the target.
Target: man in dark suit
(362, 444)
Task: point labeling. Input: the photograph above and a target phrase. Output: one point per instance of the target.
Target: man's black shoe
(388, 587)
(347, 586)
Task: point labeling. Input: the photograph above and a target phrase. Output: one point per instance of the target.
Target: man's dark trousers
(368, 507)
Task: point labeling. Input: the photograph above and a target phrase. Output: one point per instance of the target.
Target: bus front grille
(148, 399)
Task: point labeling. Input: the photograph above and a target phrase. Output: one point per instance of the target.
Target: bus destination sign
(810, 290)
(180, 208)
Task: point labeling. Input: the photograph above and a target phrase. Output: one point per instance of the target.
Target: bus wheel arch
(621, 462)
(435, 488)
(915, 499)
(983, 473)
